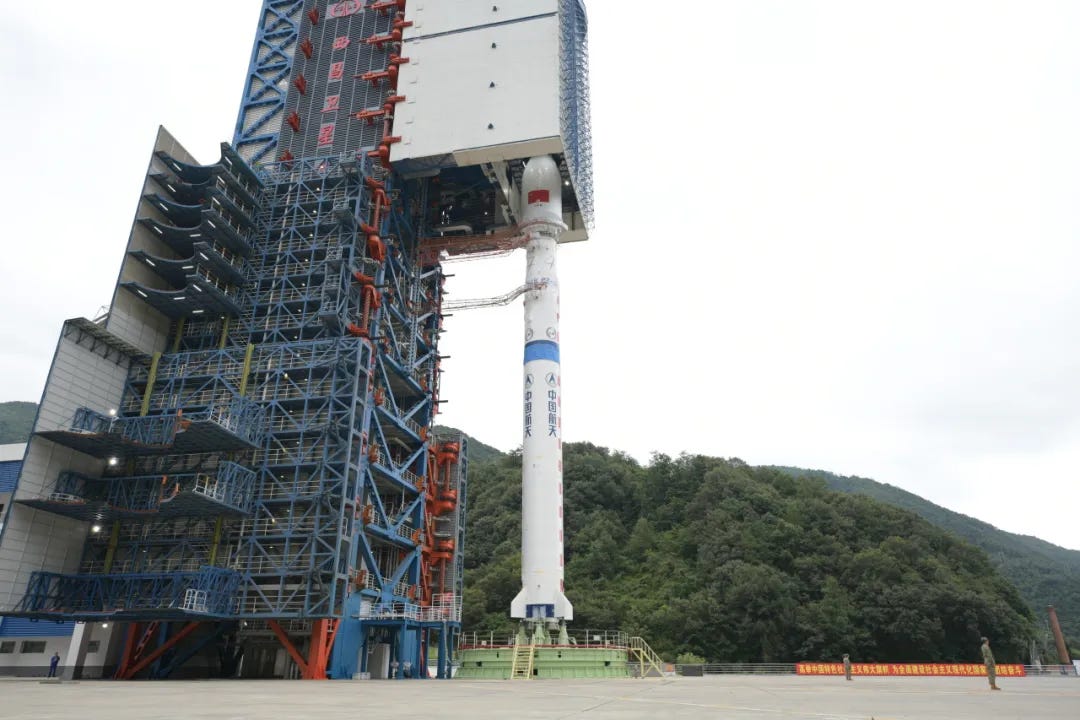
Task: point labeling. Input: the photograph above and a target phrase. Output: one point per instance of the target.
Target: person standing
(53, 664)
(991, 664)
(847, 667)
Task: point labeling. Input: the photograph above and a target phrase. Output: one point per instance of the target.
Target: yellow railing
(648, 662)
(522, 667)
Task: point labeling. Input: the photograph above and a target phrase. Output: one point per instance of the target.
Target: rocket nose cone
(541, 173)
(541, 190)
(541, 164)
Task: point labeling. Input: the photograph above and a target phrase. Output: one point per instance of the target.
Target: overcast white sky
(838, 235)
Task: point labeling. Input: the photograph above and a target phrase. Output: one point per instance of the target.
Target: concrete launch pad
(728, 697)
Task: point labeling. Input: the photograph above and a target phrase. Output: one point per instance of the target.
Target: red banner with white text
(910, 669)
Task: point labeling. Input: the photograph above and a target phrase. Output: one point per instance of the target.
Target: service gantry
(234, 470)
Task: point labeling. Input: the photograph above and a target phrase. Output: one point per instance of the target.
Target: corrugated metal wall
(22, 628)
(9, 474)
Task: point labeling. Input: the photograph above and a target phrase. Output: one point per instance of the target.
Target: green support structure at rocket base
(497, 663)
(574, 654)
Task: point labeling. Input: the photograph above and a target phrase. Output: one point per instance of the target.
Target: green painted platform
(549, 662)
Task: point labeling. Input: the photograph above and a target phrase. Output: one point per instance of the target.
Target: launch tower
(234, 470)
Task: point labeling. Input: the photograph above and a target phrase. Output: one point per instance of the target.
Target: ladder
(522, 667)
(147, 637)
(649, 663)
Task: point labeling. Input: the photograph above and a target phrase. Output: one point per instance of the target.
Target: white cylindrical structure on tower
(542, 595)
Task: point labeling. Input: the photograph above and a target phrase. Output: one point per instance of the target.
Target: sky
(836, 235)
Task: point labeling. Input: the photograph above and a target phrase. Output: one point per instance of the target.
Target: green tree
(735, 563)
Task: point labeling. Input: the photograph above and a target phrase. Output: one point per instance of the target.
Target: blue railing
(229, 484)
(239, 416)
(209, 591)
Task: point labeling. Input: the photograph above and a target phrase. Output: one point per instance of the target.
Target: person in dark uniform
(991, 664)
(53, 664)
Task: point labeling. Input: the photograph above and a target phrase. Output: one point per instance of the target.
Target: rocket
(542, 597)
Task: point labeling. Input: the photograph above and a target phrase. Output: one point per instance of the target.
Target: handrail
(582, 638)
(521, 666)
(647, 659)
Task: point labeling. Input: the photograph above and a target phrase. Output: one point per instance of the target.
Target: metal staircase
(648, 663)
(522, 667)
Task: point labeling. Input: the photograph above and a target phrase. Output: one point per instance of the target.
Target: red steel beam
(323, 634)
(187, 630)
(287, 644)
(129, 648)
(316, 664)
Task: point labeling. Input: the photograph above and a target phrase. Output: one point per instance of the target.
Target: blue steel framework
(266, 87)
(576, 116)
(273, 463)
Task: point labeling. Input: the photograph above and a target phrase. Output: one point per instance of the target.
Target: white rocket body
(542, 595)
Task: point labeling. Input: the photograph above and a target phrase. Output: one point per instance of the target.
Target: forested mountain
(1044, 573)
(16, 421)
(738, 563)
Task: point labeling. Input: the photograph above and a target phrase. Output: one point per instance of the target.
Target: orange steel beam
(187, 630)
(323, 633)
(461, 245)
(317, 652)
(129, 648)
(335, 624)
(287, 644)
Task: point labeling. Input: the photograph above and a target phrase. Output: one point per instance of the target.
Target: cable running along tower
(234, 471)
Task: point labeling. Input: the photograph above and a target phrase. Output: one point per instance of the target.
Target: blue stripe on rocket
(541, 350)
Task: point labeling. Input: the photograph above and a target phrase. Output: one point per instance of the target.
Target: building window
(93, 646)
(32, 646)
(7, 647)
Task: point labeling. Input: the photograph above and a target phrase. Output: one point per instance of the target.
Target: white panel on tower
(493, 84)
(465, 92)
(434, 17)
